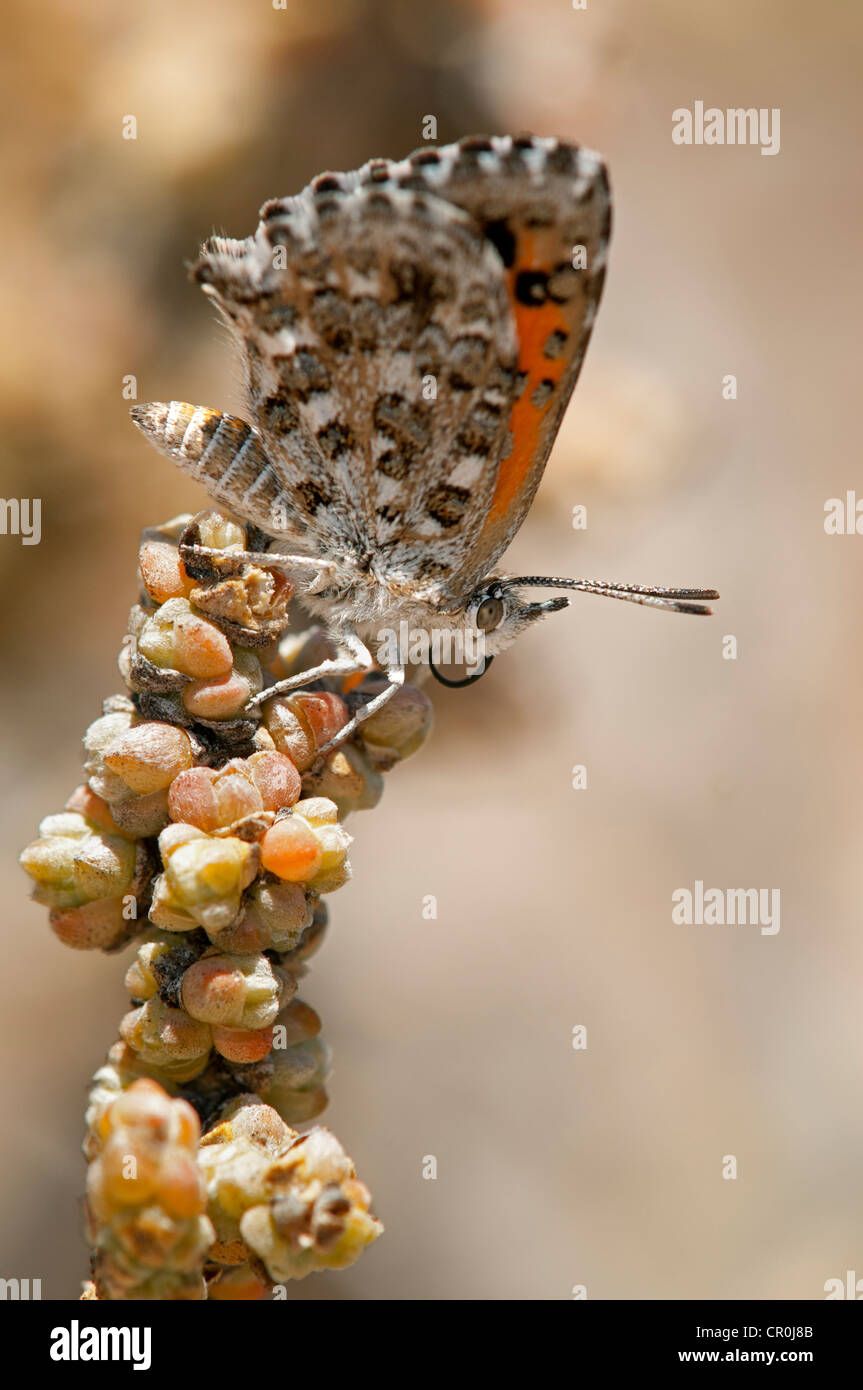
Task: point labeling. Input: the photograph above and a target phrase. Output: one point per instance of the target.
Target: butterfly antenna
(674, 600)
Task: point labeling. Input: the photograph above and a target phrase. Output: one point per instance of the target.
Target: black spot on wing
(331, 316)
(468, 362)
(502, 237)
(279, 415)
(446, 505)
(408, 426)
(335, 439)
(542, 393)
(302, 374)
(531, 287)
(554, 344)
(478, 435)
(314, 495)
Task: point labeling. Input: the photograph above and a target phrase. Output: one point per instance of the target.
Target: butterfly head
(499, 610)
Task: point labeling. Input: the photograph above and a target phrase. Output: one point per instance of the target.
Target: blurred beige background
(452, 1037)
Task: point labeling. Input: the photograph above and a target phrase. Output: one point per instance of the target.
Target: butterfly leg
(357, 657)
(396, 679)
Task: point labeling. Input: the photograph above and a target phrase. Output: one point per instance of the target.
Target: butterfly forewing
(381, 358)
(545, 205)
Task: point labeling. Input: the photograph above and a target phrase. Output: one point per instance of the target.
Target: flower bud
(225, 697)
(275, 917)
(308, 846)
(149, 756)
(347, 778)
(101, 925)
(163, 573)
(167, 1039)
(146, 1199)
(293, 1202)
(291, 850)
(203, 877)
(303, 722)
(295, 1085)
(276, 778)
(242, 1045)
(141, 817)
(219, 532)
(177, 637)
(399, 728)
(71, 863)
(236, 991)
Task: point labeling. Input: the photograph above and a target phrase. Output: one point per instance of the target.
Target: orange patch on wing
(534, 324)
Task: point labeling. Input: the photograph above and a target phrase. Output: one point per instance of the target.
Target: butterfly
(411, 334)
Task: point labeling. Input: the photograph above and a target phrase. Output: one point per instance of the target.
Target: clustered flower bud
(292, 1202)
(196, 999)
(209, 829)
(91, 876)
(203, 879)
(146, 1199)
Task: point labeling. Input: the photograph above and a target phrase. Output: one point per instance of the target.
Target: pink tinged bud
(224, 698)
(233, 991)
(149, 756)
(276, 778)
(215, 993)
(193, 800)
(120, 1179)
(95, 926)
(236, 797)
(163, 572)
(324, 713)
(200, 649)
(299, 1022)
(242, 1044)
(94, 808)
(301, 724)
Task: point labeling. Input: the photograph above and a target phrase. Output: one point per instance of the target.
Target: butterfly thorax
(356, 597)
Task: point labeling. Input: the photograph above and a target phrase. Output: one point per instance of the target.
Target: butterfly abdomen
(221, 451)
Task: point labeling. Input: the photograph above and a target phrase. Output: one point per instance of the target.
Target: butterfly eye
(489, 614)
